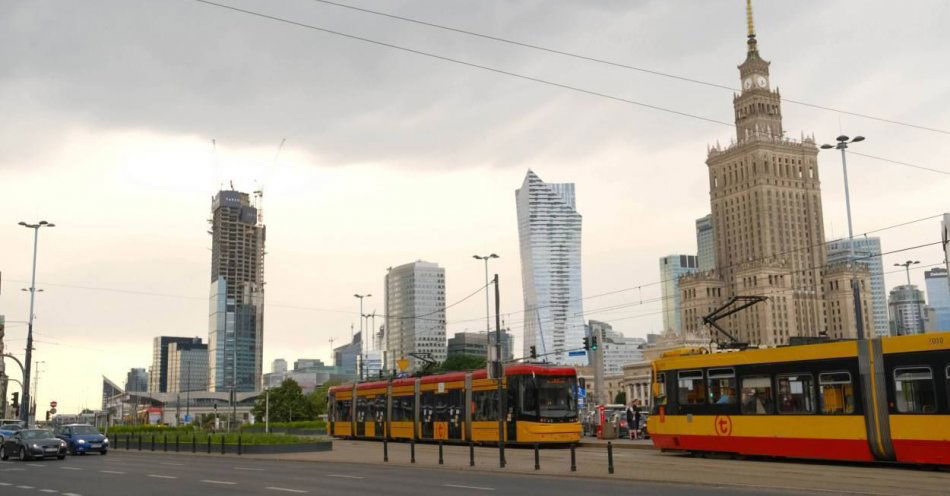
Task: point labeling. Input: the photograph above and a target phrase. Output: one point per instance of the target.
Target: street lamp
(25, 413)
(486, 258)
(843, 142)
(906, 265)
(362, 334)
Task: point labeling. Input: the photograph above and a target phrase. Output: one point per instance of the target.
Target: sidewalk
(593, 442)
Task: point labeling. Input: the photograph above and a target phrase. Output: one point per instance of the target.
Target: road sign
(403, 364)
(52, 404)
(577, 353)
(581, 392)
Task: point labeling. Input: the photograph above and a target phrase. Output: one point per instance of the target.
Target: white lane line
(48, 491)
(14, 469)
(70, 468)
(159, 476)
(71, 494)
(35, 465)
(207, 481)
(470, 487)
(5, 484)
(285, 489)
(342, 476)
(111, 472)
(173, 464)
(25, 487)
(249, 468)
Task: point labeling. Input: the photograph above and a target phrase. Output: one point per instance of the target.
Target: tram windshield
(550, 397)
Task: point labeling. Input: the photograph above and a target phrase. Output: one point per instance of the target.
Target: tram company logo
(723, 425)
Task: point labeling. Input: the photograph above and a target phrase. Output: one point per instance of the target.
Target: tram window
(836, 393)
(485, 405)
(402, 408)
(722, 386)
(757, 395)
(691, 389)
(914, 388)
(795, 394)
(343, 410)
(659, 391)
(529, 396)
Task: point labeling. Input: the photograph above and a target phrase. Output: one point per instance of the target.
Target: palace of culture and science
(765, 198)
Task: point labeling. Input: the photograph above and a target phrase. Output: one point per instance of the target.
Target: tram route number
(723, 425)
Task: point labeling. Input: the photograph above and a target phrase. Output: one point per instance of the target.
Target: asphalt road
(139, 474)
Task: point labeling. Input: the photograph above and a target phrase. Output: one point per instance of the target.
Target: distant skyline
(391, 157)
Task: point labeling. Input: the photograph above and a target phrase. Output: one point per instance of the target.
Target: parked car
(27, 444)
(8, 427)
(83, 438)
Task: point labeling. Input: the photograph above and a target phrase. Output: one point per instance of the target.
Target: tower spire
(748, 17)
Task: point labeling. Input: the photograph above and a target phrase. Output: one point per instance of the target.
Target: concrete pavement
(146, 473)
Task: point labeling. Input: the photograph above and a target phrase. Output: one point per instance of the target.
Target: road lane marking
(48, 491)
(35, 465)
(207, 481)
(285, 489)
(459, 486)
(173, 464)
(70, 468)
(342, 476)
(248, 468)
(25, 487)
(159, 476)
(5, 484)
(14, 469)
(71, 494)
(111, 472)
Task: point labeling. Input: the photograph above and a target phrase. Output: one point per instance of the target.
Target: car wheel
(3, 454)
(60, 457)
(104, 452)
(24, 456)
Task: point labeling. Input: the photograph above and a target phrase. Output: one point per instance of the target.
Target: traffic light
(15, 404)
(586, 343)
(593, 342)
(534, 352)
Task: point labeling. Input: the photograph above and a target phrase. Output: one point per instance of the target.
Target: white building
(549, 232)
(278, 366)
(672, 267)
(415, 312)
(615, 349)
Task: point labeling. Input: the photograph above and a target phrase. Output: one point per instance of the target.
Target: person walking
(636, 418)
(631, 426)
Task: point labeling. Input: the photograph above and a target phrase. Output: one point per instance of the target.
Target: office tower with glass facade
(187, 367)
(346, 357)
(938, 295)
(158, 372)
(136, 381)
(705, 244)
(477, 343)
(549, 233)
(415, 312)
(907, 310)
(236, 315)
(672, 267)
(866, 251)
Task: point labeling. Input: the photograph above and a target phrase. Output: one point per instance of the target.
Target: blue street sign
(187, 419)
(581, 392)
(577, 353)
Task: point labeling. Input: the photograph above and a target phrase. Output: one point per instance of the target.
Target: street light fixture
(486, 258)
(362, 334)
(906, 265)
(25, 413)
(842, 144)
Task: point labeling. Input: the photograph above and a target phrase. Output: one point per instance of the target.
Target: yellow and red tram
(539, 401)
(884, 399)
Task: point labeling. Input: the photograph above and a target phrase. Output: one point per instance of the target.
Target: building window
(914, 390)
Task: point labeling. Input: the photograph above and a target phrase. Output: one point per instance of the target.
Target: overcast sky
(108, 109)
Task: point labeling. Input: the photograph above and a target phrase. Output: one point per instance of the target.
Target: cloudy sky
(108, 109)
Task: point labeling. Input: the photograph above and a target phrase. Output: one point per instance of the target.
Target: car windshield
(84, 430)
(556, 397)
(35, 434)
(11, 427)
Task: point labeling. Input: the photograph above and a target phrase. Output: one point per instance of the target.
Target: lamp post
(906, 265)
(25, 412)
(486, 258)
(362, 334)
(842, 144)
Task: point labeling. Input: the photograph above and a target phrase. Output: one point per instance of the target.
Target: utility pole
(362, 334)
(25, 401)
(500, 376)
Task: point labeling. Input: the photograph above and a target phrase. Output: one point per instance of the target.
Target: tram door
(361, 408)
(511, 407)
(455, 413)
(380, 416)
(427, 414)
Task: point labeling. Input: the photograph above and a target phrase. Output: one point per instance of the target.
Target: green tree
(459, 363)
(287, 403)
(621, 398)
(319, 396)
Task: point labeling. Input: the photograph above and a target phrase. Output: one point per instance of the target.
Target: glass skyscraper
(236, 313)
(673, 267)
(549, 232)
(705, 244)
(867, 252)
(938, 295)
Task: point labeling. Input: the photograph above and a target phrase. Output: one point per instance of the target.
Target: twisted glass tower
(549, 231)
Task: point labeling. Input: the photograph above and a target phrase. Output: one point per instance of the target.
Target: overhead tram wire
(613, 63)
(509, 73)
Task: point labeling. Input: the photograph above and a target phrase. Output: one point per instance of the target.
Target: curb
(617, 446)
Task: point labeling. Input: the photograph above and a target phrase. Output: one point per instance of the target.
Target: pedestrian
(631, 426)
(636, 417)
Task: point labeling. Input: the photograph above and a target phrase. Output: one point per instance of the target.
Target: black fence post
(164, 442)
(441, 460)
(471, 454)
(153, 442)
(573, 459)
(176, 443)
(412, 450)
(222, 444)
(194, 443)
(128, 441)
(140, 442)
(610, 458)
(385, 450)
(239, 444)
(537, 457)
(209, 444)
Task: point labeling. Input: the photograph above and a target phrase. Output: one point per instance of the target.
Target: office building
(866, 253)
(549, 233)
(765, 199)
(278, 366)
(136, 380)
(705, 244)
(346, 357)
(906, 307)
(187, 367)
(478, 343)
(236, 319)
(158, 372)
(672, 267)
(415, 312)
(938, 296)
(614, 349)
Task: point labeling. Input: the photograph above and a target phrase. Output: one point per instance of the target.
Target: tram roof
(511, 370)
